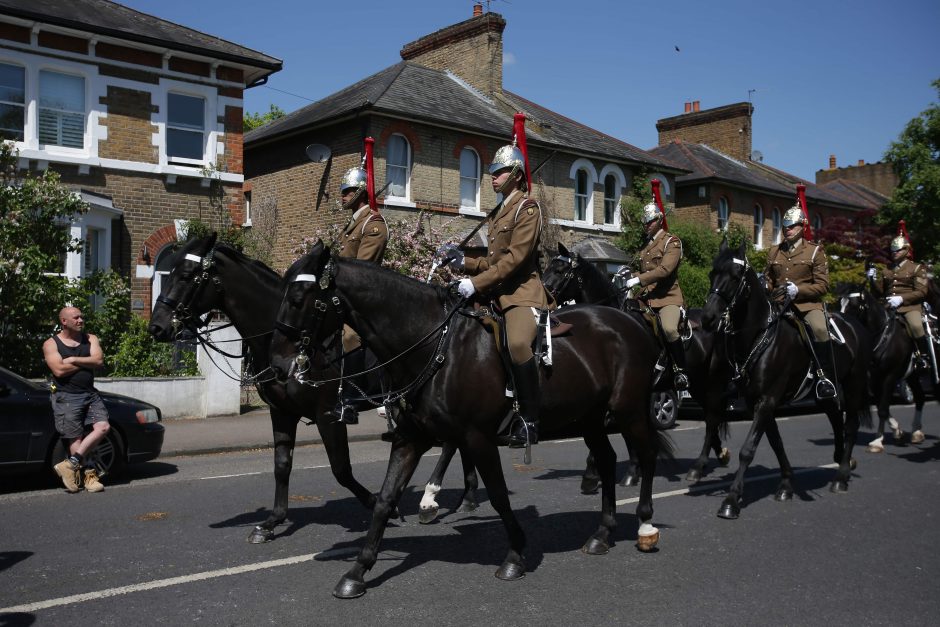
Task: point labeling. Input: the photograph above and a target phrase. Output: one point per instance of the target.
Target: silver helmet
(509, 156)
(651, 212)
(353, 178)
(898, 243)
(793, 215)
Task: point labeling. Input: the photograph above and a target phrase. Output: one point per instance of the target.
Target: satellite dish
(318, 153)
(757, 155)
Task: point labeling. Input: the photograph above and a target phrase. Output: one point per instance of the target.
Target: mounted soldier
(659, 280)
(509, 274)
(365, 237)
(904, 288)
(797, 273)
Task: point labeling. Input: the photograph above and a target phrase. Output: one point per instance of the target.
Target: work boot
(68, 471)
(353, 363)
(922, 357)
(677, 353)
(92, 482)
(525, 429)
(825, 385)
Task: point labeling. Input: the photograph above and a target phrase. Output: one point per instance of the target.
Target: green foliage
(105, 299)
(632, 233)
(254, 120)
(916, 159)
(139, 355)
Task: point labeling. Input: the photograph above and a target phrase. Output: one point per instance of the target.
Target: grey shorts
(73, 411)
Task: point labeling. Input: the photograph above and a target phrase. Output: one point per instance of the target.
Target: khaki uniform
(509, 272)
(364, 238)
(659, 271)
(909, 281)
(805, 265)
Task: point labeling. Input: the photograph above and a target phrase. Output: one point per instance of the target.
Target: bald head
(71, 319)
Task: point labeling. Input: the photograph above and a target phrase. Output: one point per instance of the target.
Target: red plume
(518, 127)
(801, 198)
(902, 230)
(659, 201)
(370, 175)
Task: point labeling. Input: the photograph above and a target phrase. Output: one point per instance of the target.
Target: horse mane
(412, 287)
(244, 259)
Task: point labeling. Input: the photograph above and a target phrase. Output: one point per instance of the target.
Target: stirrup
(825, 389)
(523, 434)
(680, 381)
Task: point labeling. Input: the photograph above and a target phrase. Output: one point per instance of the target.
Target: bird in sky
(677, 48)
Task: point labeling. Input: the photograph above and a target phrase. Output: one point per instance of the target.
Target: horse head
(561, 277)
(306, 315)
(184, 295)
(729, 282)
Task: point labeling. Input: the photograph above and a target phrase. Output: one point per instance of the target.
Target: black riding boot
(526, 429)
(923, 362)
(677, 353)
(825, 388)
(353, 364)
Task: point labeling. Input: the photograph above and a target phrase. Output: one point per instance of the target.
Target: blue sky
(829, 77)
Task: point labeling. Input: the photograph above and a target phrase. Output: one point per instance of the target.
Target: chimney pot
(832, 162)
(688, 107)
(861, 162)
(695, 105)
(477, 9)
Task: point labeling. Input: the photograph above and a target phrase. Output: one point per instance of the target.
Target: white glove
(872, 274)
(895, 301)
(632, 282)
(791, 289)
(465, 288)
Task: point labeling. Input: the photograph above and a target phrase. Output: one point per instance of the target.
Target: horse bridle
(567, 276)
(182, 312)
(725, 317)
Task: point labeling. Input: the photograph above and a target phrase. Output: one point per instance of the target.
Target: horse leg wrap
(429, 500)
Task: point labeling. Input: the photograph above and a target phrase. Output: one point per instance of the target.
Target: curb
(239, 448)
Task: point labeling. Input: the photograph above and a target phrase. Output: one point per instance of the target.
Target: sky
(825, 77)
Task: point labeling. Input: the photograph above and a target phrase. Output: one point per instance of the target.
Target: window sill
(470, 211)
(395, 201)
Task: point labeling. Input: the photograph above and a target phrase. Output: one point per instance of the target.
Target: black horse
(891, 357)
(572, 279)
(772, 364)
(449, 374)
(207, 276)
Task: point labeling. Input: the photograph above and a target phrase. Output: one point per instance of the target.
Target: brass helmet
(353, 178)
(509, 156)
(651, 212)
(898, 243)
(793, 215)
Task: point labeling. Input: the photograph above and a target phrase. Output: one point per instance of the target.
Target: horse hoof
(630, 480)
(875, 448)
(595, 546)
(260, 535)
(427, 515)
(725, 458)
(589, 487)
(348, 588)
(693, 476)
(729, 511)
(918, 437)
(853, 464)
(783, 495)
(510, 571)
(839, 486)
(647, 544)
(467, 506)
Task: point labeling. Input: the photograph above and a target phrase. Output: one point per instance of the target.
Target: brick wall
(130, 132)
(727, 129)
(879, 177)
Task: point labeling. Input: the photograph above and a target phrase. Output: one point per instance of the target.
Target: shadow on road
(10, 558)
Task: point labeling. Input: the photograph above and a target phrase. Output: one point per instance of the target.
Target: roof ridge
(686, 148)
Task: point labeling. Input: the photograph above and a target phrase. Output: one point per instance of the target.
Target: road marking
(172, 581)
(721, 484)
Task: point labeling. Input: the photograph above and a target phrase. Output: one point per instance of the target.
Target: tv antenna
(749, 92)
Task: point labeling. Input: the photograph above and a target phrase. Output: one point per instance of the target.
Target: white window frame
(247, 194)
(25, 103)
(621, 183)
(724, 214)
(758, 226)
(86, 87)
(475, 208)
(406, 199)
(778, 225)
(591, 172)
(184, 161)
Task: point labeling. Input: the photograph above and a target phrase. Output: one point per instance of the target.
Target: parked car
(29, 442)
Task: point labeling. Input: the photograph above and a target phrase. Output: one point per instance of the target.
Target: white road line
(172, 581)
(721, 484)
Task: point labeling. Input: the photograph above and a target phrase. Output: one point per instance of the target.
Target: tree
(254, 120)
(916, 160)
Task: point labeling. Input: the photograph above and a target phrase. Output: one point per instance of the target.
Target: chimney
(726, 128)
(472, 49)
(861, 162)
(688, 107)
(695, 104)
(832, 162)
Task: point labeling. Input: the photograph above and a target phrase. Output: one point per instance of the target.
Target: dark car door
(25, 423)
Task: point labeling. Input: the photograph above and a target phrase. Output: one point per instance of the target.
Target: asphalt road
(168, 544)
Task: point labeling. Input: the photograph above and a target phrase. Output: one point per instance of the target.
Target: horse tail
(724, 429)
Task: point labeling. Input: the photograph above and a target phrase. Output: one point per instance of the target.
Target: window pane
(722, 214)
(610, 199)
(61, 109)
(580, 195)
(11, 122)
(12, 83)
(469, 178)
(185, 144)
(186, 111)
(396, 166)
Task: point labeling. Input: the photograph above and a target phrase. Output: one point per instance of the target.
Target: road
(168, 544)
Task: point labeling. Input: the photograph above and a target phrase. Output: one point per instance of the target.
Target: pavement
(251, 430)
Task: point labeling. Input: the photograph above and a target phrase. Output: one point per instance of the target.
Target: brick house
(438, 116)
(129, 109)
(727, 183)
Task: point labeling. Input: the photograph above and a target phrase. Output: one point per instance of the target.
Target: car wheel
(664, 408)
(109, 456)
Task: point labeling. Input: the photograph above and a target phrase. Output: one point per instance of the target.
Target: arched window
(611, 198)
(722, 214)
(398, 167)
(581, 195)
(817, 224)
(469, 179)
(758, 226)
(778, 226)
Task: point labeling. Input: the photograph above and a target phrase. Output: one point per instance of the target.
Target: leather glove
(791, 290)
(872, 274)
(632, 282)
(465, 288)
(895, 301)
